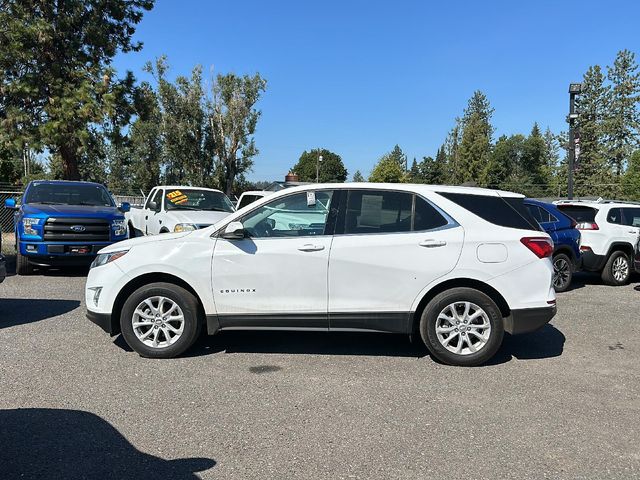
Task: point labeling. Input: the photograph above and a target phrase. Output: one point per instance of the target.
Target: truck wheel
(462, 326)
(617, 270)
(160, 320)
(23, 266)
(562, 272)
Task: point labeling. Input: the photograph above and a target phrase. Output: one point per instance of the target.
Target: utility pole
(318, 162)
(574, 89)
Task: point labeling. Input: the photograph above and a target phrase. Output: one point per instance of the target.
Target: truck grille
(76, 230)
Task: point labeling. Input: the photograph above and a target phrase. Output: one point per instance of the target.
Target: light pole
(318, 168)
(574, 89)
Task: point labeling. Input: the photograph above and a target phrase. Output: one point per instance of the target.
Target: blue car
(566, 239)
(64, 223)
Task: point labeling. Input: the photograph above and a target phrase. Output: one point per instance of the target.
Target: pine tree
(622, 123)
(451, 149)
(477, 133)
(357, 177)
(591, 172)
(533, 164)
(631, 178)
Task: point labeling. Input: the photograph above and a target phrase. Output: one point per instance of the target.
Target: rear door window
(507, 212)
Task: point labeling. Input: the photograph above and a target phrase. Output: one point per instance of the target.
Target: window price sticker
(311, 199)
(177, 197)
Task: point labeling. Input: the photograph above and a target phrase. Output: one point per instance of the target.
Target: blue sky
(358, 77)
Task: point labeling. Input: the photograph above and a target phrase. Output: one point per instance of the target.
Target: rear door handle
(311, 248)
(431, 243)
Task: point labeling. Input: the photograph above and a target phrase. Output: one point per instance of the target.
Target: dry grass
(8, 244)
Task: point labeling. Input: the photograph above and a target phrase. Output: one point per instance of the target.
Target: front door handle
(431, 243)
(311, 248)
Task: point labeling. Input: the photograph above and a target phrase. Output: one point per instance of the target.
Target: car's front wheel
(23, 266)
(160, 320)
(462, 326)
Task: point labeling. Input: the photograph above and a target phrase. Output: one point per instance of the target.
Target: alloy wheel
(463, 328)
(620, 269)
(158, 322)
(561, 273)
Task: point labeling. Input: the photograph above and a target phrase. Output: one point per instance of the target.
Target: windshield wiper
(215, 209)
(49, 203)
(183, 207)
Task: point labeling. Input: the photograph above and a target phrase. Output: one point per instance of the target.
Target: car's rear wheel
(617, 270)
(462, 326)
(23, 266)
(562, 272)
(160, 320)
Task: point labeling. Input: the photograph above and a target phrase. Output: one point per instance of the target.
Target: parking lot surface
(561, 403)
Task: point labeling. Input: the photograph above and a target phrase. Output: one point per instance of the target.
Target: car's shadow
(73, 444)
(547, 342)
(582, 279)
(19, 311)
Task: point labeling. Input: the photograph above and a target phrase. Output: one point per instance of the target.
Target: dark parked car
(566, 239)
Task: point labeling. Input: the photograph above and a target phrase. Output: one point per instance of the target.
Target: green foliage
(55, 75)
(631, 179)
(390, 168)
(622, 123)
(358, 177)
(233, 122)
(475, 145)
(331, 169)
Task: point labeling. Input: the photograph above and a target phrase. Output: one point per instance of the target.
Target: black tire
(562, 272)
(611, 273)
(164, 230)
(191, 313)
(132, 231)
(23, 266)
(429, 319)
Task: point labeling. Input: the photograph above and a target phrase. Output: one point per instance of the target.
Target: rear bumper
(528, 319)
(104, 321)
(593, 262)
(3, 268)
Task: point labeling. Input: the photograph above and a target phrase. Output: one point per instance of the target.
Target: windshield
(197, 200)
(69, 194)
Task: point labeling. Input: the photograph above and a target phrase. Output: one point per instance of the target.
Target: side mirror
(233, 231)
(153, 206)
(124, 207)
(10, 203)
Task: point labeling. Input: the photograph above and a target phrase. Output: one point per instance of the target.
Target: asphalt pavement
(560, 403)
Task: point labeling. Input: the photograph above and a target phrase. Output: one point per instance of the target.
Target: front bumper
(3, 268)
(528, 319)
(105, 321)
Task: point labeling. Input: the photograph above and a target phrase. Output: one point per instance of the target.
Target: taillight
(587, 226)
(542, 247)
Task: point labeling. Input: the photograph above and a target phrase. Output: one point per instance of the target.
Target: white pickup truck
(178, 209)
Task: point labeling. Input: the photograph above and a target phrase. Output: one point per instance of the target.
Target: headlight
(104, 258)
(184, 227)
(119, 227)
(27, 226)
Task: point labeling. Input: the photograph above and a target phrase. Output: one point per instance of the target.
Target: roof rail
(599, 200)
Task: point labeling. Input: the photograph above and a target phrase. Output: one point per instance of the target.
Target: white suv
(610, 232)
(456, 266)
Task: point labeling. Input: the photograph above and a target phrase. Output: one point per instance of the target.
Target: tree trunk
(69, 157)
(229, 178)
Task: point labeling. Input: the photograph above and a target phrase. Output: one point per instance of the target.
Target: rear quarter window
(509, 212)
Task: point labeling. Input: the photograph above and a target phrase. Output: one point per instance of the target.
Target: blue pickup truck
(61, 223)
